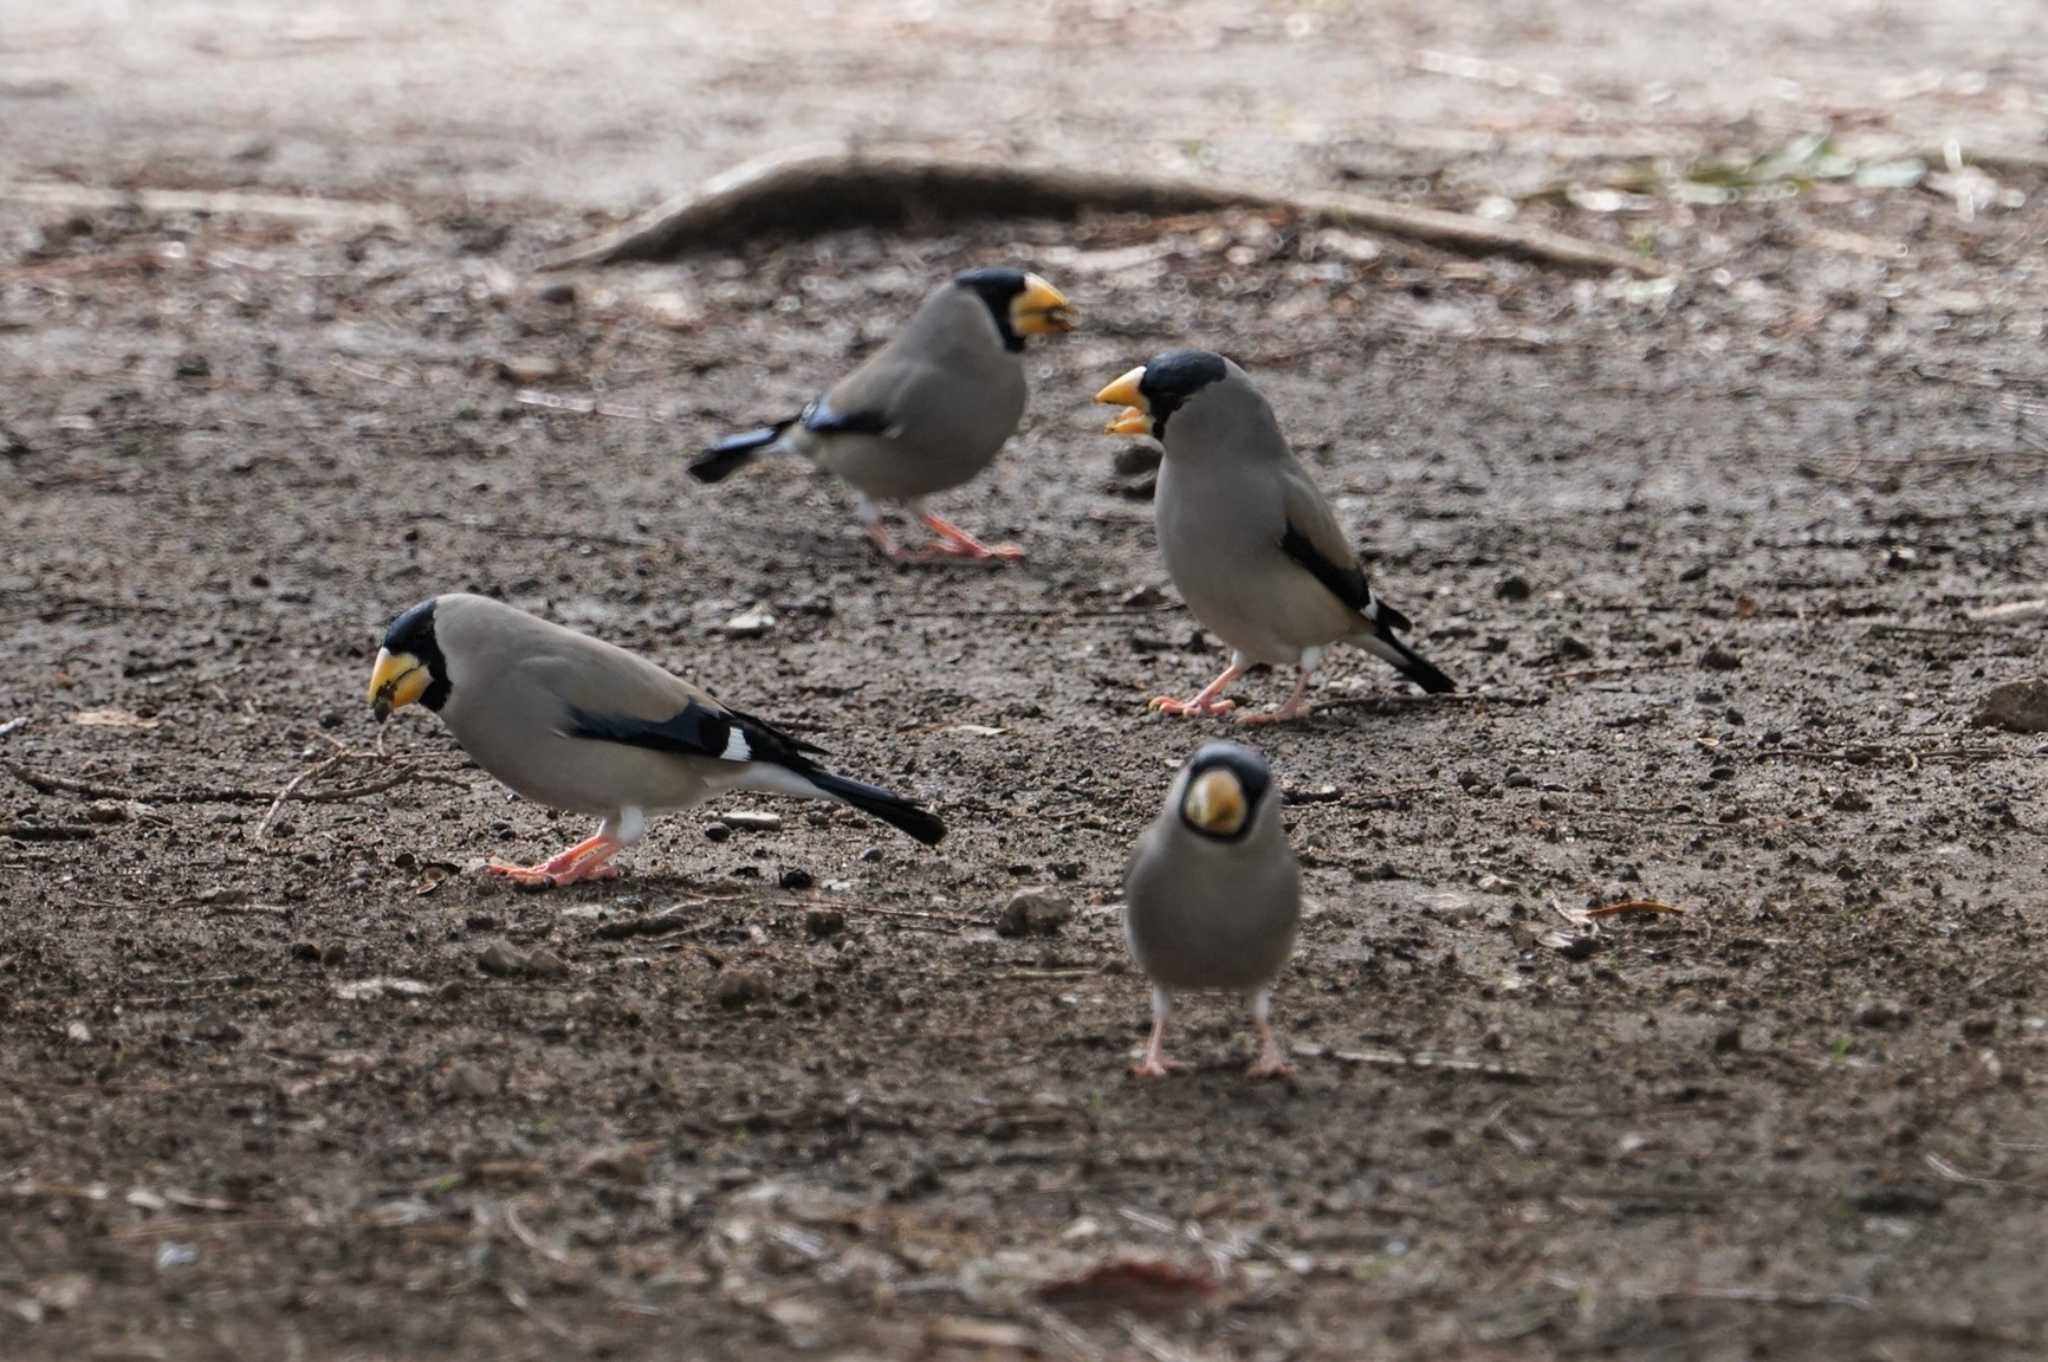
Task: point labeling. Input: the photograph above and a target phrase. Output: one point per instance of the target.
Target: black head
(408, 644)
(1172, 378)
(1225, 787)
(998, 289)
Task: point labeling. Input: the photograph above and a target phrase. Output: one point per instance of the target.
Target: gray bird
(1247, 538)
(577, 724)
(1213, 895)
(926, 413)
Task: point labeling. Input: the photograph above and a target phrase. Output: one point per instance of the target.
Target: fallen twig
(820, 188)
(224, 202)
(44, 783)
(342, 755)
(13, 725)
(1756, 1295)
(49, 832)
(581, 406)
(1394, 1059)
(1948, 1172)
(1633, 906)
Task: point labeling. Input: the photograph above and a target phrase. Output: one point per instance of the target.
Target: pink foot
(1156, 1066)
(950, 541)
(1271, 1064)
(973, 551)
(1181, 709)
(587, 860)
(540, 877)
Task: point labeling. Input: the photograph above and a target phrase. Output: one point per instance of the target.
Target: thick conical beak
(1215, 802)
(1040, 308)
(396, 681)
(1134, 418)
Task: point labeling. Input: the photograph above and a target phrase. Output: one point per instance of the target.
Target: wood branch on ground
(816, 189)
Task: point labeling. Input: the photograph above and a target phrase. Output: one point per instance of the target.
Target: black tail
(732, 453)
(895, 810)
(1411, 664)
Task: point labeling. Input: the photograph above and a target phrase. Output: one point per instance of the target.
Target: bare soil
(1707, 558)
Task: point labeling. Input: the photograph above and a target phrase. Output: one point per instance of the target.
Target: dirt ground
(1710, 559)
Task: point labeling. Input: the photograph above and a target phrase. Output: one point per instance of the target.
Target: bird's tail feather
(734, 452)
(808, 782)
(1410, 663)
(895, 810)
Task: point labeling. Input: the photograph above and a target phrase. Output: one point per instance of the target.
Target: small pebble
(2020, 706)
(1719, 659)
(547, 965)
(1033, 912)
(306, 951)
(1135, 459)
(1514, 588)
(500, 959)
(717, 831)
(750, 623)
(333, 954)
(738, 987)
(824, 922)
(465, 1081)
(796, 877)
(1143, 597)
(748, 821)
(1851, 801)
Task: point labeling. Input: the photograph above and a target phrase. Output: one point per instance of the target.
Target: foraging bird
(926, 413)
(1213, 895)
(577, 724)
(1247, 539)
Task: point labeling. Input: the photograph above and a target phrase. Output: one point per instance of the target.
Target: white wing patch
(736, 748)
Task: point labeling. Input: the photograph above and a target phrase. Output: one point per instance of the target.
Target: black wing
(697, 731)
(1347, 584)
(820, 419)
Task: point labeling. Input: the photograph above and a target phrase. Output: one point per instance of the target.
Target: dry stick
(49, 832)
(1393, 1059)
(219, 203)
(49, 784)
(816, 189)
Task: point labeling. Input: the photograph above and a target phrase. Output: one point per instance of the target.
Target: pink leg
(1206, 702)
(1155, 1064)
(879, 532)
(584, 861)
(1296, 706)
(1270, 1063)
(953, 542)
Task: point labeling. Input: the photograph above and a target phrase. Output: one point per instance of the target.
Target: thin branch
(819, 188)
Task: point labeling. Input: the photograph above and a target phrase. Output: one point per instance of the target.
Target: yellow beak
(1133, 419)
(1040, 308)
(1215, 802)
(396, 681)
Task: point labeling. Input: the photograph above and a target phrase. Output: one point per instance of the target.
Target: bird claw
(1182, 709)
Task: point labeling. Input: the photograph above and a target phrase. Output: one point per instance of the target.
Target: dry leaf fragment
(111, 718)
